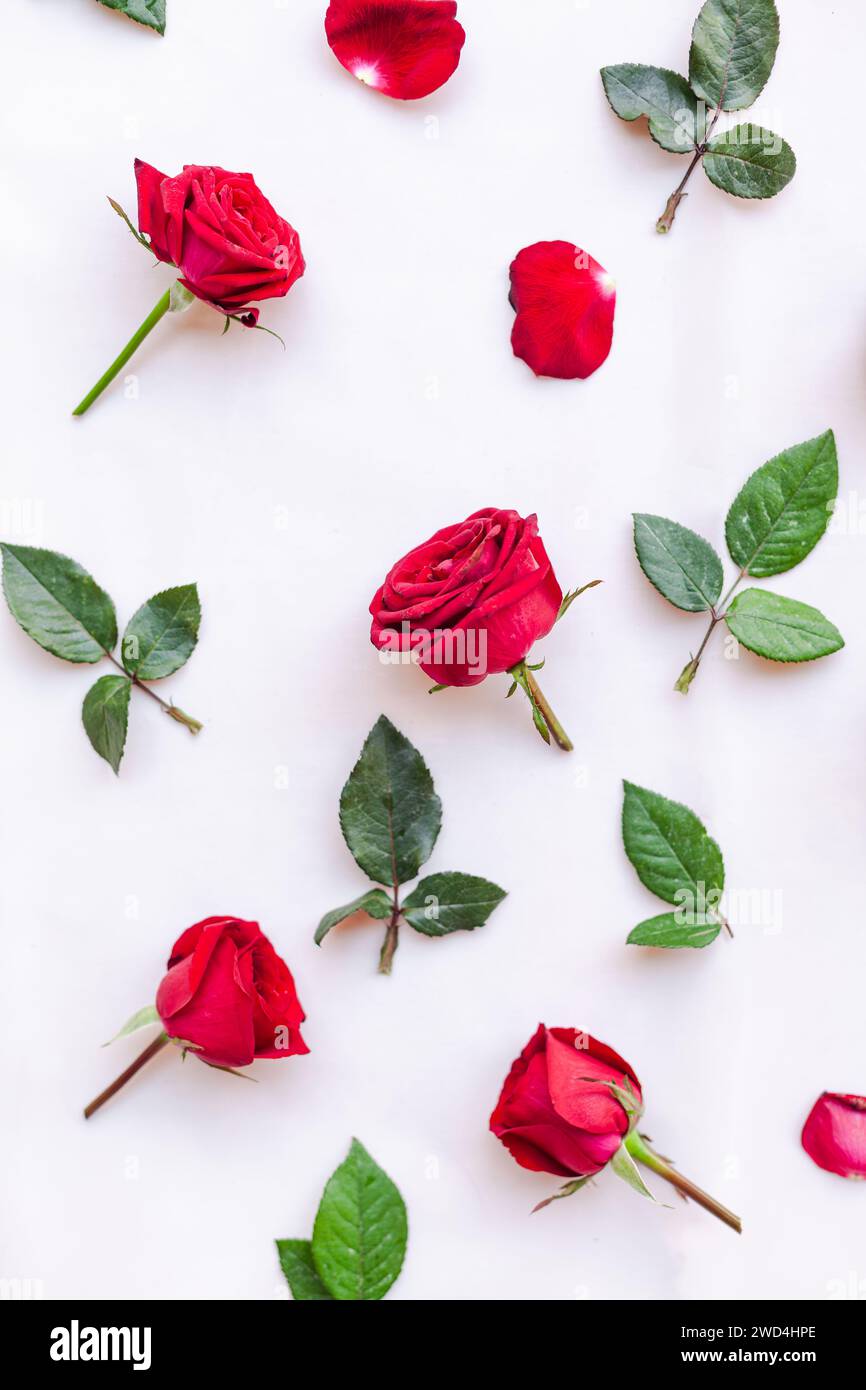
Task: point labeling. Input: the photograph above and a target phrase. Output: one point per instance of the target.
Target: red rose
(565, 304)
(221, 233)
(472, 600)
(404, 48)
(556, 1113)
(229, 993)
(834, 1135)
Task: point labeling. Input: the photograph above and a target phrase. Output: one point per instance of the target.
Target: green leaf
(781, 629)
(374, 902)
(58, 603)
(784, 508)
(662, 96)
(671, 850)
(390, 814)
(666, 930)
(141, 1019)
(733, 49)
(162, 635)
(625, 1167)
(683, 566)
(442, 903)
(750, 162)
(105, 713)
(360, 1232)
(296, 1261)
(149, 12)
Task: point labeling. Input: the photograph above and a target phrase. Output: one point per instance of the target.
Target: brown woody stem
(640, 1150)
(389, 945)
(156, 1046)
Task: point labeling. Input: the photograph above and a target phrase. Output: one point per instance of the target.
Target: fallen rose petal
(403, 48)
(834, 1135)
(565, 305)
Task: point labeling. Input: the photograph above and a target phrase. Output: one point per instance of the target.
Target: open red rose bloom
(229, 994)
(834, 1135)
(220, 231)
(404, 48)
(557, 1112)
(565, 304)
(472, 600)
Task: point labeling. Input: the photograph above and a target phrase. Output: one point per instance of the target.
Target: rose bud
(403, 48)
(227, 998)
(565, 304)
(834, 1135)
(571, 1106)
(470, 602)
(219, 230)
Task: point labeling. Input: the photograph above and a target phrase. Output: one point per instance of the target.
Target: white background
(286, 484)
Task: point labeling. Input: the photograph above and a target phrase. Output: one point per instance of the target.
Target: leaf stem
(173, 711)
(389, 945)
(666, 221)
(156, 1046)
(690, 670)
(138, 337)
(640, 1150)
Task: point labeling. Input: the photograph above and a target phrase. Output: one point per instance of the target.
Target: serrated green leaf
(360, 1232)
(149, 12)
(781, 629)
(105, 713)
(442, 903)
(141, 1019)
(683, 566)
(162, 635)
(665, 98)
(374, 902)
(784, 508)
(302, 1277)
(390, 814)
(625, 1167)
(58, 603)
(670, 849)
(750, 162)
(733, 49)
(667, 931)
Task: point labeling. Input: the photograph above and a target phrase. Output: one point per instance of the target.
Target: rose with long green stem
(217, 229)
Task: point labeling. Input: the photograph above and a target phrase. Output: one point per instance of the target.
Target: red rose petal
(565, 304)
(404, 48)
(834, 1135)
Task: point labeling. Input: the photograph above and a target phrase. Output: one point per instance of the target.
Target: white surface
(286, 484)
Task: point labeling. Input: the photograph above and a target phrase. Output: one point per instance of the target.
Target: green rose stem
(120, 361)
(640, 1150)
(690, 670)
(560, 736)
(172, 710)
(156, 1046)
(543, 717)
(666, 220)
